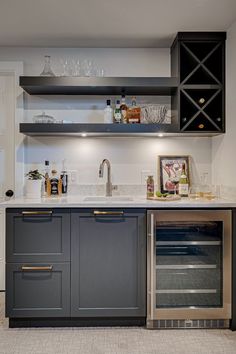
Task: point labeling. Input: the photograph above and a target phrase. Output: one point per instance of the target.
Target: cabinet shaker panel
(108, 263)
(38, 235)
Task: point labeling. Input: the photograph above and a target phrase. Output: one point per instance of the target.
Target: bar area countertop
(115, 202)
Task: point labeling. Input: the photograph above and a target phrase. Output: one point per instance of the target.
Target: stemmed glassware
(74, 67)
(175, 181)
(47, 71)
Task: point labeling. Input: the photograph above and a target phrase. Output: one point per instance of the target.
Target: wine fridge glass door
(189, 264)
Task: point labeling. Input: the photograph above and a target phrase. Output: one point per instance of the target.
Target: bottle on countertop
(150, 187)
(64, 178)
(108, 113)
(46, 177)
(183, 182)
(124, 109)
(56, 184)
(134, 112)
(117, 112)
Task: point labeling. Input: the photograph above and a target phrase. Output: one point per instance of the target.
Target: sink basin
(108, 199)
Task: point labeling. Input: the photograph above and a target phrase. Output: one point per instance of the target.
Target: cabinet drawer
(41, 235)
(38, 290)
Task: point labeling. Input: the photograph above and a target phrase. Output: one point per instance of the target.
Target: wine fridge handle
(152, 266)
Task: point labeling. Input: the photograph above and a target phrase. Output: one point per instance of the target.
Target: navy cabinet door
(38, 235)
(108, 266)
(38, 290)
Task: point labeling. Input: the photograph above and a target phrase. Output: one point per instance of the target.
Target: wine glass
(175, 181)
(88, 67)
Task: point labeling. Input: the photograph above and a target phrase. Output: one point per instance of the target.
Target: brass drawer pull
(32, 213)
(112, 213)
(36, 268)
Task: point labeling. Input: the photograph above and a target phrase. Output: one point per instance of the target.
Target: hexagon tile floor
(112, 340)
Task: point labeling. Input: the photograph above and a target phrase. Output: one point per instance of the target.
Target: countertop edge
(137, 203)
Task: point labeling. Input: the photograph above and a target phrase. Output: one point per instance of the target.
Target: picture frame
(169, 171)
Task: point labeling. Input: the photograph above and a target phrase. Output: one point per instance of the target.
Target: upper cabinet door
(108, 264)
(38, 235)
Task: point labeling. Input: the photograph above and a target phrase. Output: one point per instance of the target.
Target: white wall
(115, 61)
(224, 146)
(129, 156)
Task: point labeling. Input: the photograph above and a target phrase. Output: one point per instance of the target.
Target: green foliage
(161, 195)
(34, 175)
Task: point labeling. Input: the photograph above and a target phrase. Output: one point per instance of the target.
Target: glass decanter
(47, 71)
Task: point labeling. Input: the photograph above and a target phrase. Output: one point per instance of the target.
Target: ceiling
(108, 23)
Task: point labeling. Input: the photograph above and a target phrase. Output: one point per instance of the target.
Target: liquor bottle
(117, 112)
(54, 181)
(49, 187)
(64, 178)
(183, 183)
(46, 177)
(108, 113)
(124, 109)
(134, 112)
(150, 187)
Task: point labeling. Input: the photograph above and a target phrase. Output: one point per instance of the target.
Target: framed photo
(170, 168)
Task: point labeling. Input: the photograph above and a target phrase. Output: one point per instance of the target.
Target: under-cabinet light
(160, 135)
(84, 135)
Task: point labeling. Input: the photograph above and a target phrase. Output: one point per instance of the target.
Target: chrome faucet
(109, 186)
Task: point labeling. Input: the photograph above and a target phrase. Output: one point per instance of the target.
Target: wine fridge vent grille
(185, 324)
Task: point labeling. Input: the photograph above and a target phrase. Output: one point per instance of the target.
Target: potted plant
(33, 184)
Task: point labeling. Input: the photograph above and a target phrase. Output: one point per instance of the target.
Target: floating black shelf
(39, 85)
(76, 129)
(196, 87)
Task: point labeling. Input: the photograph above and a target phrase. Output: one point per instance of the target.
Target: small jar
(150, 187)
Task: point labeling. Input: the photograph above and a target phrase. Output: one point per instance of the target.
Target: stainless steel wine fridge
(189, 269)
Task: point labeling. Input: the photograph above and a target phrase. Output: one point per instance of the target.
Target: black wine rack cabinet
(198, 60)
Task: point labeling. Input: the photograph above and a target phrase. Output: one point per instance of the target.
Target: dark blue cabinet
(38, 263)
(38, 235)
(74, 263)
(38, 290)
(108, 250)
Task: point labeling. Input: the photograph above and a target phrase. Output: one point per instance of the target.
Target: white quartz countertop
(114, 202)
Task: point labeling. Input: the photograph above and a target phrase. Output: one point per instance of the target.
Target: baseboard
(77, 322)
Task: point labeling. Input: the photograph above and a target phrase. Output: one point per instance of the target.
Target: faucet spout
(101, 171)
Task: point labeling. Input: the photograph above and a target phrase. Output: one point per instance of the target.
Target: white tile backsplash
(129, 157)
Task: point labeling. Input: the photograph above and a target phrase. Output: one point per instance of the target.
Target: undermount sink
(108, 199)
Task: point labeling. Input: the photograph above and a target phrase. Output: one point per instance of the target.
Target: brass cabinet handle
(37, 212)
(113, 213)
(36, 268)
